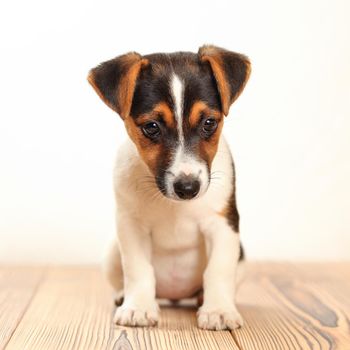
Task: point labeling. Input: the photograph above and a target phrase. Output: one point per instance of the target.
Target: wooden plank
(284, 310)
(73, 310)
(328, 287)
(333, 278)
(17, 287)
(285, 306)
(68, 312)
(177, 330)
(268, 325)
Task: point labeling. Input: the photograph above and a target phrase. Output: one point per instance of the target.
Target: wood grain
(17, 286)
(284, 309)
(285, 306)
(73, 310)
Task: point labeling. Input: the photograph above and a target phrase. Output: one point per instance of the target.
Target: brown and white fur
(174, 180)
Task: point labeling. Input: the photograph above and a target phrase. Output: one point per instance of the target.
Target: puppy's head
(173, 106)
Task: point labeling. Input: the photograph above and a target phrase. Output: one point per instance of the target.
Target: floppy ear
(231, 71)
(114, 81)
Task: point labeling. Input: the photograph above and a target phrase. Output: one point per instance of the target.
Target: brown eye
(209, 126)
(151, 130)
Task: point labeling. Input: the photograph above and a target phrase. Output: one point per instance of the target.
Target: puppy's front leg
(139, 307)
(222, 242)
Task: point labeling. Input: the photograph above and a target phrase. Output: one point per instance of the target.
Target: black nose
(186, 187)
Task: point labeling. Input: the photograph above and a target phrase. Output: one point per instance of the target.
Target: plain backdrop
(289, 130)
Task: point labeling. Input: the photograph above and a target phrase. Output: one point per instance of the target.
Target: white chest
(178, 256)
(178, 249)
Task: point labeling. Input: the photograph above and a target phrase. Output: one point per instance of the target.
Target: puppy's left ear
(231, 71)
(115, 80)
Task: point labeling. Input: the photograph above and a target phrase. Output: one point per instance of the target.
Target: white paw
(219, 319)
(139, 317)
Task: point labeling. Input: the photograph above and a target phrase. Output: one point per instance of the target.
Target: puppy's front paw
(219, 319)
(138, 317)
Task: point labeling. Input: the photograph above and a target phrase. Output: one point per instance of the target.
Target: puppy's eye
(209, 126)
(151, 130)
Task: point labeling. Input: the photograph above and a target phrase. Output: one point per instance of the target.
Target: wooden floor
(285, 306)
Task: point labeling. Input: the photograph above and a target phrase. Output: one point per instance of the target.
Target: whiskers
(215, 178)
(147, 187)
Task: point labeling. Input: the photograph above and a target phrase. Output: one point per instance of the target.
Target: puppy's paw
(137, 317)
(219, 319)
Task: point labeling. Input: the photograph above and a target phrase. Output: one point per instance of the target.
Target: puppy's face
(173, 107)
(175, 121)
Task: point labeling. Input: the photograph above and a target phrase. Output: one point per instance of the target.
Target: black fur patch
(232, 212)
(241, 252)
(154, 81)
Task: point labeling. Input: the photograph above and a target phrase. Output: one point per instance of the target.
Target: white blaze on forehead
(183, 161)
(177, 90)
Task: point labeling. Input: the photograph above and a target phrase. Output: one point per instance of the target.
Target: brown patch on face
(208, 148)
(149, 151)
(201, 109)
(163, 110)
(199, 112)
(160, 111)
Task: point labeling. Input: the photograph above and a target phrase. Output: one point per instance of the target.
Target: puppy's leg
(239, 279)
(112, 268)
(139, 307)
(219, 310)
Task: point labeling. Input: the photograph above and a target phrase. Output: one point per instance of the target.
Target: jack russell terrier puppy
(174, 180)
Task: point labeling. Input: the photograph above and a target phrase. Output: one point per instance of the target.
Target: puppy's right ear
(115, 80)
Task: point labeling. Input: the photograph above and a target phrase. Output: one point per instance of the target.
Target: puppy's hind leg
(112, 269)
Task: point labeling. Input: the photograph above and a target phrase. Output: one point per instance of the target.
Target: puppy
(174, 180)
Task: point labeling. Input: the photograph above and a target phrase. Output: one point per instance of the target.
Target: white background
(289, 131)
